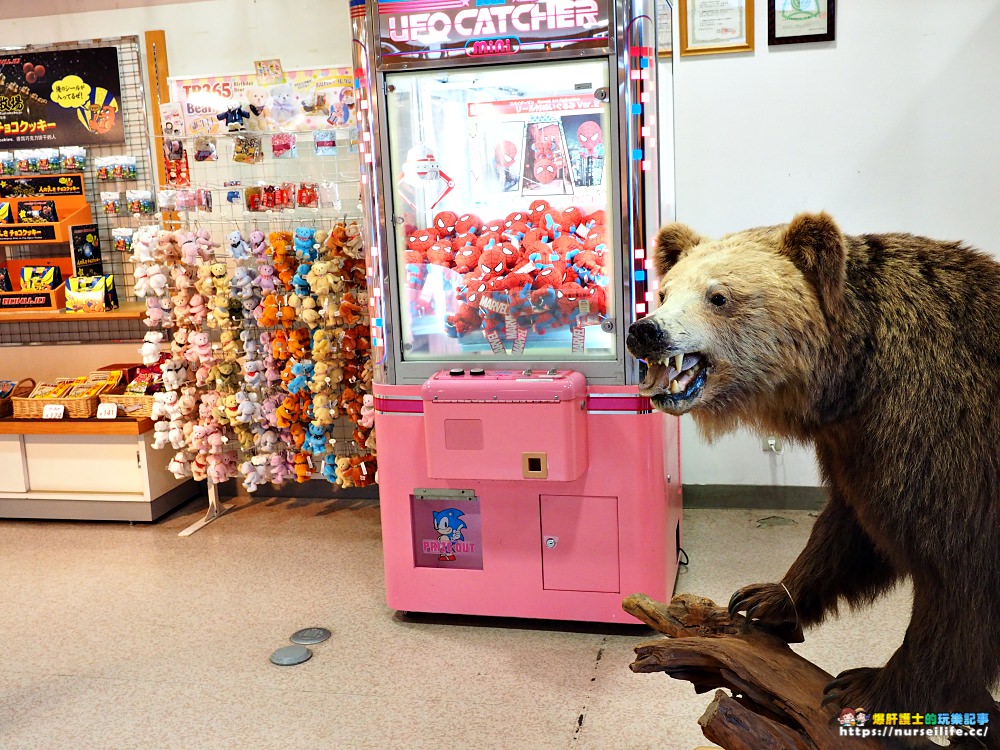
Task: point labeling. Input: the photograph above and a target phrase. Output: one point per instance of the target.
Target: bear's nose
(646, 339)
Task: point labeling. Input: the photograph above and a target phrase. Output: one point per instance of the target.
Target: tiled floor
(130, 637)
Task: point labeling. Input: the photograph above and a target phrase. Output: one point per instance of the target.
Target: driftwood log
(775, 693)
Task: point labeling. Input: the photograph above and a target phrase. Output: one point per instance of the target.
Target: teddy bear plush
(285, 107)
(302, 372)
(241, 283)
(140, 284)
(322, 413)
(308, 313)
(250, 479)
(161, 435)
(143, 243)
(199, 347)
(302, 468)
(264, 281)
(157, 279)
(176, 433)
(165, 405)
(319, 277)
(154, 313)
(187, 402)
(367, 418)
(303, 242)
(343, 471)
(248, 407)
(238, 248)
(299, 340)
(287, 413)
(267, 441)
(316, 441)
(150, 349)
(175, 374)
(199, 467)
(180, 465)
(218, 471)
(226, 375)
(280, 468)
(329, 468)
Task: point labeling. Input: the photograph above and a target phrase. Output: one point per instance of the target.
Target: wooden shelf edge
(11, 426)
(127, 311)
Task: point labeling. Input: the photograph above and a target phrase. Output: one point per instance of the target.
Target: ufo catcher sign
(434, 29)
(60, 98)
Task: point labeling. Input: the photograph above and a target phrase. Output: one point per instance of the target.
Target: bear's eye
(718, 299)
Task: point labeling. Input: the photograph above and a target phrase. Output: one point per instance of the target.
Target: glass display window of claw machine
(500, 181)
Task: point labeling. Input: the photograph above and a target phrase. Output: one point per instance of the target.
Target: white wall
(214, 36)
(46, 363)
(892, 127)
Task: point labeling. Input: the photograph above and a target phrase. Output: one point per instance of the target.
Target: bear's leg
(940, 665)
(839, 560)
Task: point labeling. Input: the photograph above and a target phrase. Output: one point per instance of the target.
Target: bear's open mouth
(679, 377)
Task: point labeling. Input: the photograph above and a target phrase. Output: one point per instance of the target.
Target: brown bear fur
(884, 351)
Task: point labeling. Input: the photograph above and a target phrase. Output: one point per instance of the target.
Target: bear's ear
(815, 244)
(672, 241)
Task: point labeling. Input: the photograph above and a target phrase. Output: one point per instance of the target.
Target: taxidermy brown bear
(884, 351)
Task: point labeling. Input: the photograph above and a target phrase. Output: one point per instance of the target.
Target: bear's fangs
(672, 374)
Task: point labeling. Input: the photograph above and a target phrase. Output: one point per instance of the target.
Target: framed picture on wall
(710, 27)
(664, 28)
(797, 21)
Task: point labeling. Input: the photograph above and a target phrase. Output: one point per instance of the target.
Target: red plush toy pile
(531, 271)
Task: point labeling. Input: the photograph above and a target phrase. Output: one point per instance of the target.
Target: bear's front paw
(855, 688)
(768, 605)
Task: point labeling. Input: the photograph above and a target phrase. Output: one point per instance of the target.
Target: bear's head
(741, 321)
(256, 96)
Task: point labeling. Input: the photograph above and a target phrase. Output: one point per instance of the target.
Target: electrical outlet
(771, 444)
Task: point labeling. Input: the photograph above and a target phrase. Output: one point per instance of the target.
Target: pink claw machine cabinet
(511, 186)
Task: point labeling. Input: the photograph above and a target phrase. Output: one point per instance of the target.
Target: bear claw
(768, 606)
(851, 688)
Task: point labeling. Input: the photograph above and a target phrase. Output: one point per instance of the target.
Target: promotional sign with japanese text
(308, 99)
(60, 98)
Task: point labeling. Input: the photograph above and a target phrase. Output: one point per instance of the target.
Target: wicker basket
(129, 405)
(23, 388)
(76, 408)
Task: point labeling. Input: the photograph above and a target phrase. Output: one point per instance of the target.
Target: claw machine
(511, 185)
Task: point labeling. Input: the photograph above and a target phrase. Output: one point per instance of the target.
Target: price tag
(107, 410)
(53, 411)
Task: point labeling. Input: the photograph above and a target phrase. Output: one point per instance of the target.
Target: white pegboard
(212, 194)
(290, 154)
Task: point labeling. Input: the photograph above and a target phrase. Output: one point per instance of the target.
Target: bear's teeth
(674, 387)
(678, 361)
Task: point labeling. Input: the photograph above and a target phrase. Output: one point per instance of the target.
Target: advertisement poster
(41, 186)
(541, 147)
(308, 99)
(86, 243)
(60, 98)
(447, 533)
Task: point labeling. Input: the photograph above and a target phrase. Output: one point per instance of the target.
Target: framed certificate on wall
(664, 28)
(797, 21)
(711, 27)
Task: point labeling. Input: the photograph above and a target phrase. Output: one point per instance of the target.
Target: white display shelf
(86, 470)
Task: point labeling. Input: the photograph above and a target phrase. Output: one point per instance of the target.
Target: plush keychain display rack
(262, 341)
(256, 296)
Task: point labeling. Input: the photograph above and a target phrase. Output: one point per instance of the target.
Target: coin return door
(580, 543)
